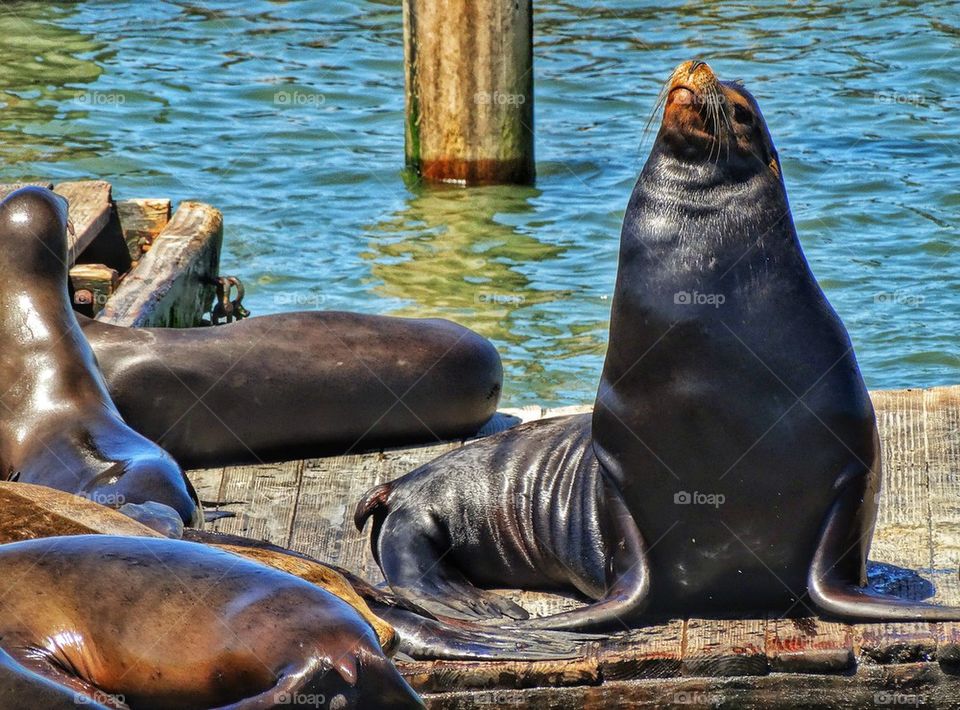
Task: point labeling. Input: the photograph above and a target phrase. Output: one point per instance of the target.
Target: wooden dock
(138, 262)
(763, 661)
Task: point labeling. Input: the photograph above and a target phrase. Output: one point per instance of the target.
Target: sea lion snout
(709, 120)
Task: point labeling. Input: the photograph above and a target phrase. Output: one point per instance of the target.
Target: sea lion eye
(742, 114)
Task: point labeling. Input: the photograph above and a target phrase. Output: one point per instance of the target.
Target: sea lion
(732, 460)
(59, 427)
(159, 623)
(31, 512)
(298, 385)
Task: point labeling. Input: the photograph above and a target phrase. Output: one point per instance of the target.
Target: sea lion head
(34, 225)
(715, 123)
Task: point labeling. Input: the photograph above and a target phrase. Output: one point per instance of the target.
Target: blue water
(288, 116)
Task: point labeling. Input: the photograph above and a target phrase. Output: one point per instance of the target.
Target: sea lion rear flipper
(411, 552)
(829, 584)
(628, 593)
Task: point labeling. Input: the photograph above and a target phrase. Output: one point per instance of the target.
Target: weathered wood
(141, 220)
(907, 685)
(469, 90)
(898, 642)
(725, 647)
(90, 206)
(902, 536)
(434, 676)
(172, 284)
(269, 494)
(654, 651)
(92, 285)
(809, 645)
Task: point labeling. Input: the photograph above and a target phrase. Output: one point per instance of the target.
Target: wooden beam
(171, 284)
(92, 284)
(725, 647)
(90, 205)
(924, 685)
(141, 221)
(469, 90)
(809, 645)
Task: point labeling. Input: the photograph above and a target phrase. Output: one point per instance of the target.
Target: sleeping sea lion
(147, 622)
(298, 385)
(732, 461)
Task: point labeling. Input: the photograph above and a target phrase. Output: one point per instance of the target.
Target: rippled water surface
(289, 117)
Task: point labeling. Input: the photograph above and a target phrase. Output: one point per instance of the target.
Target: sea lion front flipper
(36, 683)
(829, 584)
(628, 593)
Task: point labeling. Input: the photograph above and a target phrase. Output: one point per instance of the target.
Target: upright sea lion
(732, 461)
(59, 427)
(156, 623)
(298, 385)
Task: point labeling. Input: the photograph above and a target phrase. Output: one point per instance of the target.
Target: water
(288, 116)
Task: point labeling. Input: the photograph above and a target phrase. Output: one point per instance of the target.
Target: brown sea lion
(298, 385)
(159, 623)
(59, 427)
(732, 461)
(30, 512)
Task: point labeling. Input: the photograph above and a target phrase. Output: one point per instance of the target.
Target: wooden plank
(809, 645)
(323, 523)
(93, 284)
(654, 651)
(90, 205)
(725, 647)
(438, 676)
(208, 483)
(902, 535)
(907, 685)
(898, 642)
(268, 495)
(941, 406)
(141, 221)
(171, 286)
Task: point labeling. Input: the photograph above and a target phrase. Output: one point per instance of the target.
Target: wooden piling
(469, 90)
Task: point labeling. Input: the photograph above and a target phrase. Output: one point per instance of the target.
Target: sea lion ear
(774, 163)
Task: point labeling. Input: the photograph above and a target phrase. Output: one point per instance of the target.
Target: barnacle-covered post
(469, 90)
